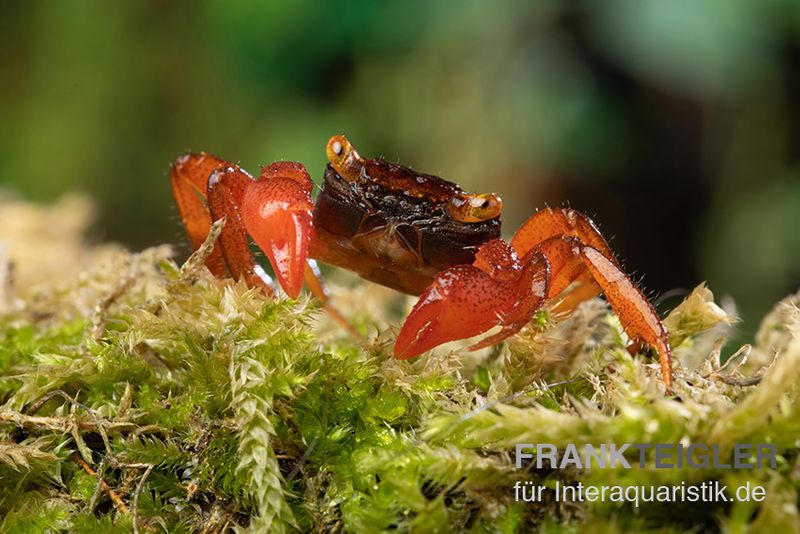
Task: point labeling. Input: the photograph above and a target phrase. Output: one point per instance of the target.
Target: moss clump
(146, 396)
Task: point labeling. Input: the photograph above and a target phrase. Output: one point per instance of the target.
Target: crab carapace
(395, 226)
(413, 232)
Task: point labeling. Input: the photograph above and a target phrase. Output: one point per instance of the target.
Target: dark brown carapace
(413, 232)
(395, 226)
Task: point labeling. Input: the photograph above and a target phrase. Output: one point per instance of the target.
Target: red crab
(413, 232)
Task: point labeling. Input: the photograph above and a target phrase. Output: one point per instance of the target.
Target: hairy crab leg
(224, 186)
(586, 288)
(635, 312)
(572, 260)
(559, 222)
(464, 301)
(567, 268)
(189, 177)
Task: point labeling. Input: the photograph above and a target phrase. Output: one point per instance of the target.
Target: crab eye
(337, 148)
(344, 158)
(468, 208)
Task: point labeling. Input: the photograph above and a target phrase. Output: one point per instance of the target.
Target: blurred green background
(675, 124)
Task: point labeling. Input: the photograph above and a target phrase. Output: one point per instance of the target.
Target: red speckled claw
(530, 294)
(462, 302)
(467, 300)
(276, 211)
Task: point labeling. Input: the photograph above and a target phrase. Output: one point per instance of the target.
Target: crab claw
(276, 211)
(463, 301)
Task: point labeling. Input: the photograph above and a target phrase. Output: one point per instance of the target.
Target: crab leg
(499, 289)
(189, 177)
(226, 186)
(638, 318)
(559, 222)
(580, 253)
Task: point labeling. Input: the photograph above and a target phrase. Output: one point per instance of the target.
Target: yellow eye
(344, 158)
(468, 208)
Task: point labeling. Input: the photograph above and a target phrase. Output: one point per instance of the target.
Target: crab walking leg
(224, 186)
(586, 288)
(559, 222)
(189, 177)
(555, 232)
(570, 259)
(638, 318)
(548, 224)
(567, 267)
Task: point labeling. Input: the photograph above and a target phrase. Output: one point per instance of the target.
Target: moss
(152, 396)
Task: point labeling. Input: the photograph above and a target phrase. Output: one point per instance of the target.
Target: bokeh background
(675, 124)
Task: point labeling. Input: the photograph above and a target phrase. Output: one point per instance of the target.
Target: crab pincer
(277, 213)
(467, 300)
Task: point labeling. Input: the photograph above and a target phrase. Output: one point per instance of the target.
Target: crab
(413, 232)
